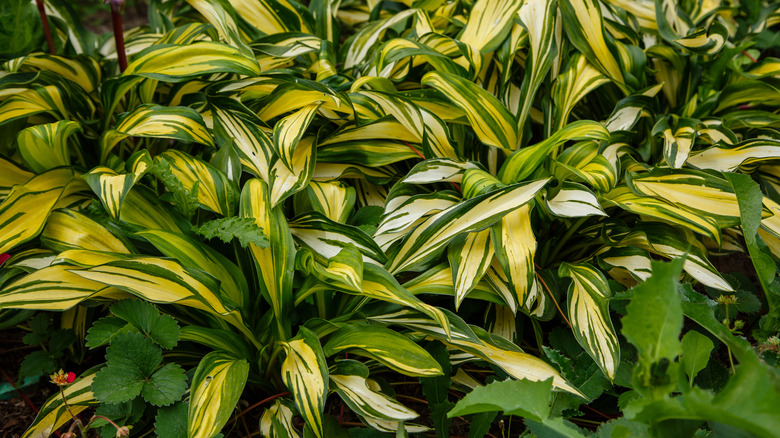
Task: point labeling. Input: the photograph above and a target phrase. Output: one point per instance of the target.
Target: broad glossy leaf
(277, 421)
(155, 121)
(67, 229)
(216, 339)
(588, 301)
(352, 384)
(390, 348)
(334, 199)
(576, 82)
(287, 181)
(82, 70)
(491, 121)
(254, 147)
(745, 156)
(222, 16)
(193, 254)
(403, 213)
(305, 373)
(514, 397)
(438, 170)
(489, 23)
(24, 211)
(216, 388)
(326, 238)
(574, 200)
(289, 131)
(524, 162)
(177, 63)
(215, 191)
(111, 187)
(39, 99)
(470, 256)
(515, 246)
(274, 16)
(44, 147)
(473, 214)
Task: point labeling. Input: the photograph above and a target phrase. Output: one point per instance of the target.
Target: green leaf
(166, 386)
(20, 31)
(696, 349)
(37, 363)
(555, 427)
(165, 331)
(171, 421)
(436, 390)
(137, 312)
(524, 398)
(131, 359)
(654, 318)
(104, 330)
(245, 229)
(750, 200)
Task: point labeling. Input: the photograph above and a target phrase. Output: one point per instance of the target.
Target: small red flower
(61, 378)
(4, 257)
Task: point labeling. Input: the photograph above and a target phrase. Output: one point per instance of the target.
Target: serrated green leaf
(171, 421)
(104, 330)
(137, 312)
(514, 397)
(164, 331)
(166, 386)
(131, 359)
(37, 363)
(245, 229)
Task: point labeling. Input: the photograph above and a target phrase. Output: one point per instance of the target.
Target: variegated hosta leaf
(438, 281)
(574, 200)
(585, 161)
(403, 213)
(371, 33)
(289, 131)
(155, 121)
(233, 121)
(469, 255)
(177, 63)
(745, 156)
(272, 17)
(10, 175)
(82, 70)
(704, 193)
(628, 265)
(477, 181)
(40, 99)
(372, 152)
(473, 214)
(589, 296)
(54, 413)
(216, 388)
(678, 141)
(274, 264)
(334, 199)
(193, 254)
(515, 246)
(24, 212)
(491, 121)
(354, 387)
(661, 209)
(222, 16)
(31, 260)
(165, 281)
(390, 348)
(664, 240)
(216, 339)
(489, 23)
(524, 162)
(706, 41)
(574, 84)
(68, 229)
(289, 97)
(53, 288)
(44, 147)
(629, 110)
(343, 271)
(584, 25)
(437, 170)
(507, 355)
(538, 18)
(142, 208)
(305, 373)
(215, 191)
(277, 421)
(287, 181)
(110, 187)
(327, 238)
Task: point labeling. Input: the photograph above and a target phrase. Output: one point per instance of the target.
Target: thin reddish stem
(549, 292)
(744, 52)
(21, 394)
(45, 23)
(265, 400)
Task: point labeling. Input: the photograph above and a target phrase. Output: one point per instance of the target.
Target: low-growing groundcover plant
(513, 206)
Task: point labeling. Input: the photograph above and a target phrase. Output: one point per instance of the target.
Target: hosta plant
(322, 198)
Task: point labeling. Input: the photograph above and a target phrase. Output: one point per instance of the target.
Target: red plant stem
(24, 397)
(119, 38)
(265, 400)
(46, 29)
(744, 52)
(549, 292)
